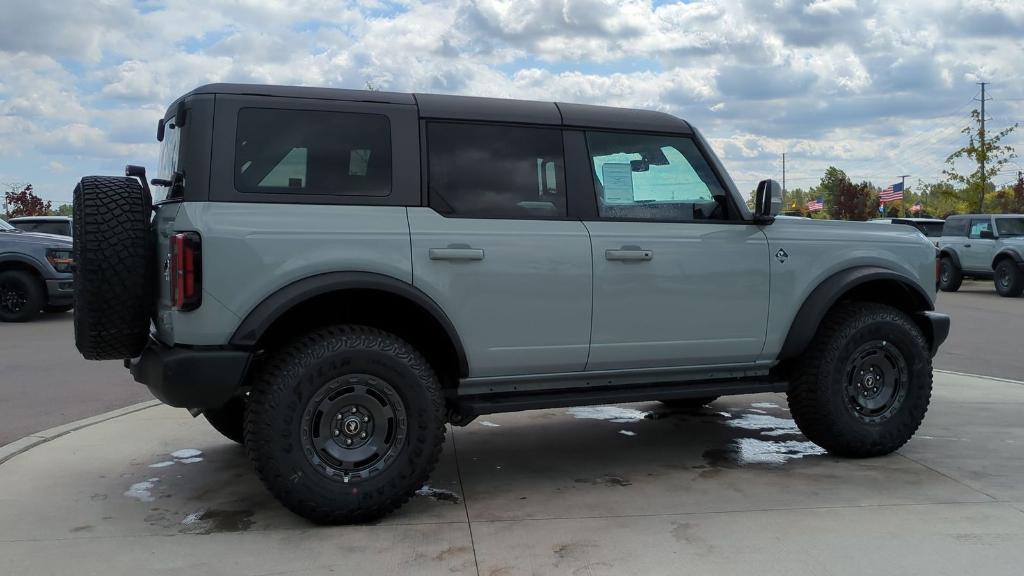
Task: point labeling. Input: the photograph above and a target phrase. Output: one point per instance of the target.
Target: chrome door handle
(628, 255)
(456, 254)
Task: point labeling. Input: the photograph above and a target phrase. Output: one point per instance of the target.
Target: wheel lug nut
(366, 418)
(363, 435)
(336, 432)
(348, 441)
(338, 416)
(353, 409)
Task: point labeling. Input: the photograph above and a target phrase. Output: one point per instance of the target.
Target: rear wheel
(345, 424)
(21, 296)
(863, 387)
(689, 404)
(950, 276)
(1008, 279)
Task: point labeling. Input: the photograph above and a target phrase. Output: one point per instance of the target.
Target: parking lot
(635, 489)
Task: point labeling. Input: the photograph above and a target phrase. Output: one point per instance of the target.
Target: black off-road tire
(229, 419)
(1009, 279)
(58, 309)
(22, 296)
(319, 367)
(689, 404)
(114, 270)
(950, 276)
(819, 390)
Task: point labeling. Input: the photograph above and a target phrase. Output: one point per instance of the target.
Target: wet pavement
(629, 489)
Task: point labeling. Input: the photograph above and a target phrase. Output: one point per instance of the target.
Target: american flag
(815, 205)
(893, 193)
(916, 207)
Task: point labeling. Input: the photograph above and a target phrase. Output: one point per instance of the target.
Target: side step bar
(468, 407)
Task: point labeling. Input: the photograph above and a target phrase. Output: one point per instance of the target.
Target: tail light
(186, 271)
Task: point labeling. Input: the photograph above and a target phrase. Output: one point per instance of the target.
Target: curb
(8, 451)
(966, 375)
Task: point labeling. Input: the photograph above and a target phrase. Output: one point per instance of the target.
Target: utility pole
(982, 154)
(783, 179)
(903, 192)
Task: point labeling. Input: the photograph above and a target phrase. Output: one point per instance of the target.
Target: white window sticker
(618, 183)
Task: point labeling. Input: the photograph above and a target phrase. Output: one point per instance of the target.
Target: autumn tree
(1009, 200)
(989, 158)
(24, 202)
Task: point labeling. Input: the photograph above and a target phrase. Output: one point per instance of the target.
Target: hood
(34, 238)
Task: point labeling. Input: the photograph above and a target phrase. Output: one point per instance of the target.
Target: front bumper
(60, 291)
(936, 327)
(190, 377)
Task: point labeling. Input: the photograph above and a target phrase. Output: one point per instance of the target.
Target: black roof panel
(474, 108)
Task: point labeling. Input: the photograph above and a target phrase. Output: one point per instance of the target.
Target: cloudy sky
(878, 88)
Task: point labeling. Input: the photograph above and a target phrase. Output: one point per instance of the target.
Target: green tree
(1009, 200)
(993, 155)
(829, 187)
(65, 209)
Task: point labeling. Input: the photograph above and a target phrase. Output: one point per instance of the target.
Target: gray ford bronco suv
(331, 276)
(983, 246)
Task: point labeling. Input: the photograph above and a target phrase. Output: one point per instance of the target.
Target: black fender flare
(829, 291)
(248, 333)
(36, 265)
(1007, 253)
(952, 256)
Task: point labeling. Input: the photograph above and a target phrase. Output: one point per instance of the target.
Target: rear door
(679, 278)
(496, 250)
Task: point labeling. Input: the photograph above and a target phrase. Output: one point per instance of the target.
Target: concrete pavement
(619, 490)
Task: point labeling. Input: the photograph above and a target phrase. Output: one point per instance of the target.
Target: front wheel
(863, 387)
(950, 277)
(1008, 279)
(345, 424)
(21, 296)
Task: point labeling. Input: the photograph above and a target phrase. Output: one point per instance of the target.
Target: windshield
(929, 229)
(1010, 226)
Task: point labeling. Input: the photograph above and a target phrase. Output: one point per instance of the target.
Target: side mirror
(988, 234)
(768, 201)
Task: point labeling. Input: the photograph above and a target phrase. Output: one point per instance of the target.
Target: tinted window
(653, 177)
(1010, 226)
(53, 228)
(955, 227)
(496, 171)
(979, 224)
(312, 152)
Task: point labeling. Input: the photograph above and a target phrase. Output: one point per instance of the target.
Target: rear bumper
(60, 291)
(936, 327)
(188, 377)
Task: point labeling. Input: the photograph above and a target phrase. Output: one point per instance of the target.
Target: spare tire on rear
(113, 267)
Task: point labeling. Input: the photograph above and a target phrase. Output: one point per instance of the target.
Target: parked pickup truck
(331, 276)
(983, 246)
(35, 274)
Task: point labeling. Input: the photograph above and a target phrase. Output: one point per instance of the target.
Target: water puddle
(615, 414)
(212, 521)
(605, 481)
(765, 424)
(438, 494)
(627, 433)
(141, 491)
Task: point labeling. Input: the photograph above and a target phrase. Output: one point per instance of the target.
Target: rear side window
(487, 171)
(312, 152)
(955, 227)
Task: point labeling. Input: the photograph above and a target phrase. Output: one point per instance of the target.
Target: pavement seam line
(20, 446)
(948, 477)
(465, 501)
(965, 374)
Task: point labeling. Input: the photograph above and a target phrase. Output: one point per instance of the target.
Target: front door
(978, 251)
(496, 251)
(679, 279)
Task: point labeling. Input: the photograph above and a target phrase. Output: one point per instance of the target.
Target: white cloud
(876, 87)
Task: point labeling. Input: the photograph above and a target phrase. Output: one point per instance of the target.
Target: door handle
(456, 254)
(967, 245)
(629, 255)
